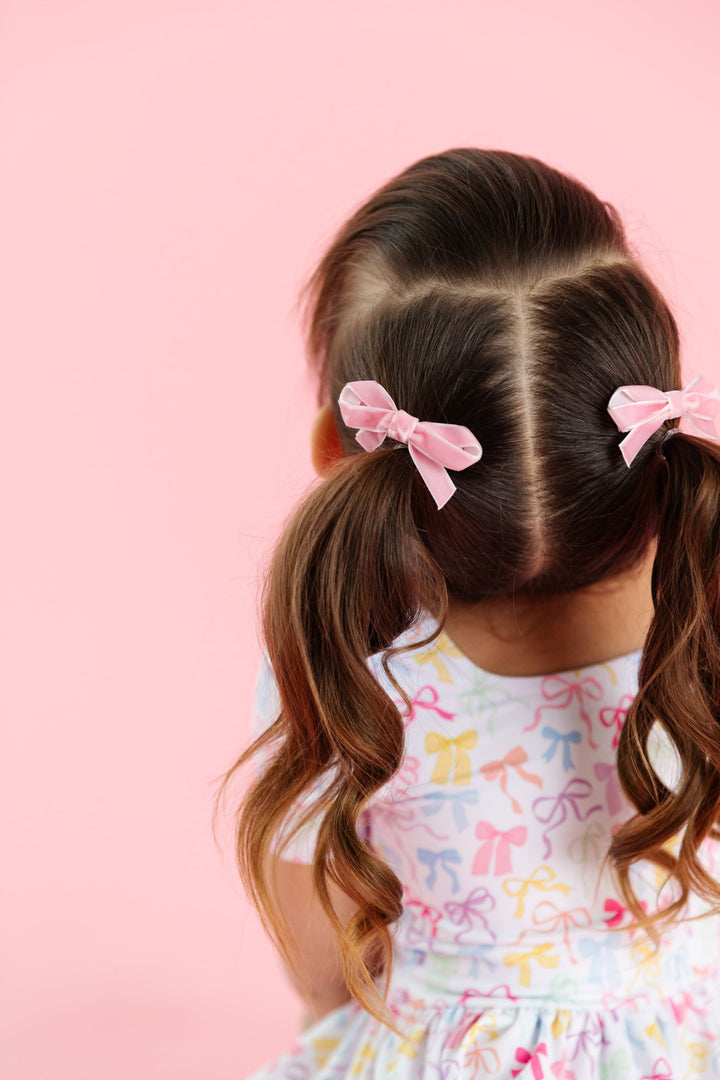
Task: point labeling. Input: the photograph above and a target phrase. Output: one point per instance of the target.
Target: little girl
(482, 833)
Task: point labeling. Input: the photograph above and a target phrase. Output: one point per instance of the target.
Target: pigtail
(348, 575)
(679, 685)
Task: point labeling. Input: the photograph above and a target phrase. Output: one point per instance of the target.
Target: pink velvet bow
(640, 410)
(434, 447)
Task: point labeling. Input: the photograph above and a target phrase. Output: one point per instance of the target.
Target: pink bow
(425, 704)
(487, 832)
(560, 1070)
(640, 410)
(504, 989)
(680, 1007)
(427, 911)
(433, 447)
(533, 1060)
(662, 1070)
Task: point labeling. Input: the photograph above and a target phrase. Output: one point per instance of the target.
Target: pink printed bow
(487, 832)
(640, 410)
(533, 1060)
(434, 447)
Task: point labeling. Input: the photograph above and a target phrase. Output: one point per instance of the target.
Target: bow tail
(443, 765)
(435, 476)
(638, 436)
(503, 863)
(483, 857)
(460, 816)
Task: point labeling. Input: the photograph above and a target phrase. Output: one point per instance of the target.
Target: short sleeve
(301, 847)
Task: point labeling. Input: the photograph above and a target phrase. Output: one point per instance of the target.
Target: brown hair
(484, 288)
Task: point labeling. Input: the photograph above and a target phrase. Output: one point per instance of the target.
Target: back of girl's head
(484, 289)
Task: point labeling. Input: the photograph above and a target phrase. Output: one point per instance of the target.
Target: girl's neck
(537, 636)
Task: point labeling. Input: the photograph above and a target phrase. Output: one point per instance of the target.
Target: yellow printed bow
(487, 1023)
(323, 1049)
(435, 743)
(697, 1055)
(653, 1032)
(406, 1046)
(647, 964)
(363, 1056)
(443, 644)
(539, 953)
(560, 1023)
(536, 882)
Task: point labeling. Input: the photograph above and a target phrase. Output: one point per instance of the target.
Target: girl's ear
(325, 446)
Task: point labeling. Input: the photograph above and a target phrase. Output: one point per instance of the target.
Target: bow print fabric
(512, 937)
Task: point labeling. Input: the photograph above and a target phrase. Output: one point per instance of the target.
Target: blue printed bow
(457, 798)
(603, 962)
(556, 736)
(448, 855)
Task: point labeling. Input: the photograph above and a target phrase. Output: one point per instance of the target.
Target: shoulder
(414, 647)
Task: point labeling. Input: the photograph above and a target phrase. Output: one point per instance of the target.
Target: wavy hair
(487, 289)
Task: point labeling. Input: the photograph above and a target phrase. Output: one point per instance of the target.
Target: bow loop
(434, 447)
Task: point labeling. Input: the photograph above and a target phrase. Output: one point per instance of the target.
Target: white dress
(513, 956)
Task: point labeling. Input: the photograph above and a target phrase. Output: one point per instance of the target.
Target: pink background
(171, 172)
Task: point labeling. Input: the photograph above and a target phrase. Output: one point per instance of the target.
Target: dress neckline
(631, 659)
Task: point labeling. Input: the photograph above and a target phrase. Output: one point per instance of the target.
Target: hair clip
(641, 410)
(434, 447)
